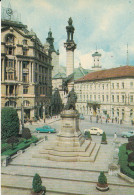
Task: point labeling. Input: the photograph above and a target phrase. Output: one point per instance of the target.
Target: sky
(107, 25)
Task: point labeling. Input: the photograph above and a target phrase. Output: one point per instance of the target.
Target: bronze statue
(72, 98)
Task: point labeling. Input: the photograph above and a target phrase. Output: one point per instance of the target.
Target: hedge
(123, 161)
(21, 146)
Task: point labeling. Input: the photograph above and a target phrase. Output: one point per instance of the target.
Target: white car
(95, 131)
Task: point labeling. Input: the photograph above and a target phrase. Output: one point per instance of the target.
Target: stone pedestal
(70, 145)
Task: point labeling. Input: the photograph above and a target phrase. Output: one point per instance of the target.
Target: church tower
(54, 53)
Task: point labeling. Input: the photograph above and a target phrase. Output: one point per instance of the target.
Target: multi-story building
(26, 68)
(108, 93)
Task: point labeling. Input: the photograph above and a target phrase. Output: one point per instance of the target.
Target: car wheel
(98, 133)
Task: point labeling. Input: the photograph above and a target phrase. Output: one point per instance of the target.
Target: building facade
(108, 94)
(26, 70)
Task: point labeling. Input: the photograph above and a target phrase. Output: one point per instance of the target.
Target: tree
(26, 133)
(9, 122)
(102, 178)
(12, 140)
(37, 187)
(104, 139)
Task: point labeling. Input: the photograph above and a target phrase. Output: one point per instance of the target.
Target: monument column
(70, 47)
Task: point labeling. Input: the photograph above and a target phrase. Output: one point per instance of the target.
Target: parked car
(46, 129)
(81, 117)
(127, 134)
(95, 131)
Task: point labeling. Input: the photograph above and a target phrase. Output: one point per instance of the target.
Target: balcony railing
(93, 102)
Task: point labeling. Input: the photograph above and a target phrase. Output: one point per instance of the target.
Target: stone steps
(88, 155)
(81, 148)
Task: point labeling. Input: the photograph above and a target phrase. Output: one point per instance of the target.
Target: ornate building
(25, 68)
(107, 93)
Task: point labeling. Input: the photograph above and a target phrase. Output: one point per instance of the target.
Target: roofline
(110, 78)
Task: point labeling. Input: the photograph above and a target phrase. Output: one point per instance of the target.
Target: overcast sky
(109, 24)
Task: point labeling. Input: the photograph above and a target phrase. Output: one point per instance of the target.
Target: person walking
(115, 136)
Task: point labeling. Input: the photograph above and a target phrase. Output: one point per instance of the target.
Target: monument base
(70, 145)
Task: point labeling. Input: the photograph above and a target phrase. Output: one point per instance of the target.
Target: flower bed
(23, 144)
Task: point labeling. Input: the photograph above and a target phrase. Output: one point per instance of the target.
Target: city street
(109, 128)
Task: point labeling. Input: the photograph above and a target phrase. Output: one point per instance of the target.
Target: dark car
(46, 129)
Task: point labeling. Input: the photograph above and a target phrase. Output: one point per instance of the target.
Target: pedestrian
(115, 136)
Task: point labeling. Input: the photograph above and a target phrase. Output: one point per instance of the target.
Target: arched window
(11, 104)
(26, 103)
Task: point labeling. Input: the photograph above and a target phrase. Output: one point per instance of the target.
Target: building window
(94, 97)
(10, 76)
(123, 85)
(107, 98)
(25, 77)
(123, 98)
(112, 98)
(103, 98)
(9, 51)
(24, 52)
(131, 113)
(113, 112)
(131, 84)
(107, 86)
(90, 97)
(98, 97)
(25, 64)
(103, 86)
(131, 98)
(117, 98)
(112, 85)
(24, 42)
(10, 39)
(25, 90)
(26, 103)
(117, 112)
(117, 85)
(10, 104)
(10, 63)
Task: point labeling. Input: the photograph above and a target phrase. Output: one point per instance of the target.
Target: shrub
(87, 134)
(26, 134)
(12, 140)
(104, 139)
(9, 122)
(37, 187)
(102, 178)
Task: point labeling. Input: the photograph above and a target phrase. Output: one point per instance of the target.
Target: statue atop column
(72, 98)
(70, 30)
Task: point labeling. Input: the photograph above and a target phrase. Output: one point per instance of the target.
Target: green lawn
(20, 146)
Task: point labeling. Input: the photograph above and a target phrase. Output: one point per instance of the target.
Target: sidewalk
(77, 178)
(104, 122)
(47, 121)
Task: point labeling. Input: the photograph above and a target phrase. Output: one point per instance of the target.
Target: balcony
(90, 102)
